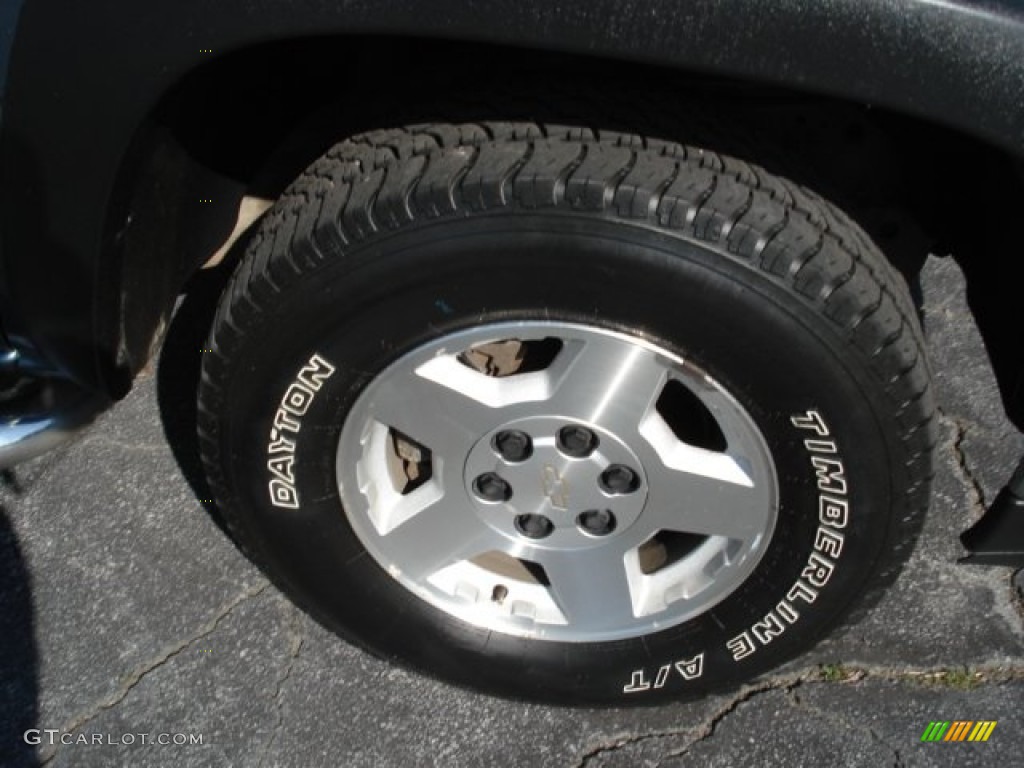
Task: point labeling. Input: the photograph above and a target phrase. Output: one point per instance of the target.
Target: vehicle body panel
(8, 23)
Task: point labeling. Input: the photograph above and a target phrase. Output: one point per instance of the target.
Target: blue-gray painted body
(9, 10)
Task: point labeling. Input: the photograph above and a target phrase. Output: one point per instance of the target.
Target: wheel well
(260, 115)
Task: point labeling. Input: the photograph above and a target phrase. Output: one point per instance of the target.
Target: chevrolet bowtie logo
(555, 487)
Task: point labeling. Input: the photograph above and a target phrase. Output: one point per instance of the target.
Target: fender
(83, 77)
(8, 22)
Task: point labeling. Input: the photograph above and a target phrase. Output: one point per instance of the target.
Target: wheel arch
(104, 100)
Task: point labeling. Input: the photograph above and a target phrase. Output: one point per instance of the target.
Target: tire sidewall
(363, 309)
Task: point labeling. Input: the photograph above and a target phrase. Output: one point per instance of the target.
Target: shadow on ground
(19, 683)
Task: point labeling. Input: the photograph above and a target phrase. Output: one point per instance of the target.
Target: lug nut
(618, 479)
(513, 446)
(597, 522)
(534, 526)
(575, 441)
(491, 487)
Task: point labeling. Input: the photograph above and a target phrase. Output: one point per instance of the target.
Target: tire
(479, 395)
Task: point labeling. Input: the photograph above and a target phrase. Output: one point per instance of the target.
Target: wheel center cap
(555, 482)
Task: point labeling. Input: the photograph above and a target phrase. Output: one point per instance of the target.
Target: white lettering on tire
(295, 402)
(833, 515)
(688, 669)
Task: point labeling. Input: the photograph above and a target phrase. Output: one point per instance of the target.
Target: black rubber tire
(396, 237)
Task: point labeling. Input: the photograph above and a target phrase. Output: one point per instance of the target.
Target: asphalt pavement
(128, 618)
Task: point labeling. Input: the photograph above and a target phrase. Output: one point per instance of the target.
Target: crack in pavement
(983, 674)
(975, 492)
(930, 677)
(701, 732)
(295, 644)
(141, 671)
(707, 729)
